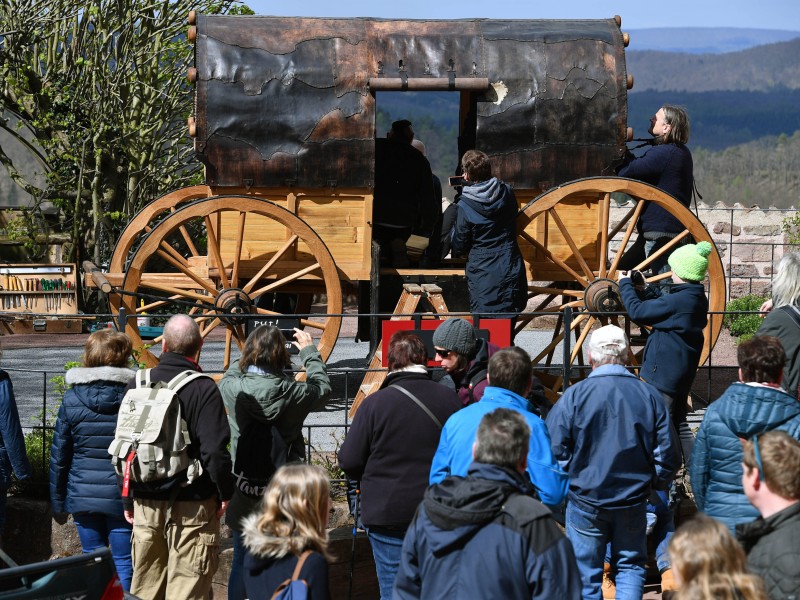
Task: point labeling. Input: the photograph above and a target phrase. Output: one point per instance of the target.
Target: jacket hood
(487, 197)
(261, 544)
(749, 408)
(459, 506)
(99, 388)
(79, 375)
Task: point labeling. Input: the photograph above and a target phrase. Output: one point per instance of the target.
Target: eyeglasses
(443, 353)
(757, 455)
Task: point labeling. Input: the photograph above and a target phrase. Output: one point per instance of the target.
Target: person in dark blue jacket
(485, 535)
(82, 478)
(668, 166)
(752, 406)
(612, 434)
(486, 232)
(13, 458)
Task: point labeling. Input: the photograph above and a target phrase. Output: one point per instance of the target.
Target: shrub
(742, 317)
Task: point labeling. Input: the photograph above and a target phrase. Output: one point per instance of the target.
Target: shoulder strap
(793, 312)
(419, 403)
(299, 566)
(479, 376)
(143, 378)
(183, 379)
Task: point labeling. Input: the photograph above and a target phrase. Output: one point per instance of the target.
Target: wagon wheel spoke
(568, 238)
(237, 255)
(665, 249)
(183, 268)
(633, 215)
(557, 261)
(214, 250)
(605, 211)
(558, 338)
(173, 291)
(582, 338)
(248, 287)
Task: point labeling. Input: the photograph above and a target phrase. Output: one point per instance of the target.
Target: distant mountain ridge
(704, 40)
(762, 68)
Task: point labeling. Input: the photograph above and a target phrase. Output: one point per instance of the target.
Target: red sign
(497, 331)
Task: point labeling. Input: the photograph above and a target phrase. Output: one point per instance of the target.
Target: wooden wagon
(285, 124)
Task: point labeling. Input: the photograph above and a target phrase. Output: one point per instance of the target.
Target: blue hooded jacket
(741, 412)
(484, 536)
(13, 458)
(672, 351)
(82, 478)
(486, 232)
(454, 453)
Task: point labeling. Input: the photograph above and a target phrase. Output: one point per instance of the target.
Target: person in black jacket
(486, 232)
(484, 535)
(291, 526)
(771, 480)
(176, 526)
(668, 165)
(390, 446)
(82, 479)
(13, 458)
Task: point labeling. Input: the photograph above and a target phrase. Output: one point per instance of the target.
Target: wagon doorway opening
(438, 121)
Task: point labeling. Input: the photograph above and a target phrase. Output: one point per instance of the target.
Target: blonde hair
(294, 512)
(709, 563)
(107, 348)
(786, 283)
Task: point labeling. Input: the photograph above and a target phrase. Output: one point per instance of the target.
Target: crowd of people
(471, 484)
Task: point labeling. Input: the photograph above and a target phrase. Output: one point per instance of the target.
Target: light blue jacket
(454, 454)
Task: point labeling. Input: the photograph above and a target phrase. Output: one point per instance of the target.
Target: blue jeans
(97, 530)
(386, 548)
(236, 589)
(589, 529)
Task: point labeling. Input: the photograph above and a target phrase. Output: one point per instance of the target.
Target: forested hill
(763, 68)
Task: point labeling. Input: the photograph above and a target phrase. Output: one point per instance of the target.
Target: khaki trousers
(174, 559)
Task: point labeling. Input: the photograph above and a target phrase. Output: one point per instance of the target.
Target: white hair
(786, 283)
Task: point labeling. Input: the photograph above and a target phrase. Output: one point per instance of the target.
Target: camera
(637, 277)
(457, 180)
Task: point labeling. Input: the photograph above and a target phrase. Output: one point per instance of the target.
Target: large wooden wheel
(572, 248)
(213, 257)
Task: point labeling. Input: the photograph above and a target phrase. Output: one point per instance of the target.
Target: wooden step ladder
(406, 306)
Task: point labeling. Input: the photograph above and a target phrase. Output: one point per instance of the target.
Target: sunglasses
(757, 456)
(443, 353)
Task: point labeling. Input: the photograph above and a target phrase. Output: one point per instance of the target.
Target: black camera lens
(637, 278)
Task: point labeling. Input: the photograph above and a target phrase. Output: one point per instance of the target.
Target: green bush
(740, 318)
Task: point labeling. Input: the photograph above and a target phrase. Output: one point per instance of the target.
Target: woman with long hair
(709, 564)
(266, 410)
(783, 320)
(293, 520)
(82, 479)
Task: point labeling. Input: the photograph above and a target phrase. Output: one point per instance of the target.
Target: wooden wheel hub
(602, 296)
(233, 301)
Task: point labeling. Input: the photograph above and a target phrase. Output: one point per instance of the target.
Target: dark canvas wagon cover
(289, 101)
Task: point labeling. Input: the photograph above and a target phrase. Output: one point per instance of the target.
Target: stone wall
(750, 242)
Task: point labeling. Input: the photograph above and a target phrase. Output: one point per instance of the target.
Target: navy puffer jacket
(741, 412)
(486, 232)
(82, 478)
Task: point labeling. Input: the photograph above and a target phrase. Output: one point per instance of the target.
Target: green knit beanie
(690, 262)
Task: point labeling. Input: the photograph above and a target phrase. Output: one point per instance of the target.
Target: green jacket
(275, 400)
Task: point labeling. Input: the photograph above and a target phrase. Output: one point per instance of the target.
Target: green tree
(101, 93)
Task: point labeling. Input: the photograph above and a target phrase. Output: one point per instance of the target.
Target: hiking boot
(608, 587)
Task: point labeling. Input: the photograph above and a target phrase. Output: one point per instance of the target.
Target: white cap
(609, 340)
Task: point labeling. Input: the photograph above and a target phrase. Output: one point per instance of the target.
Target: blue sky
(636, 14)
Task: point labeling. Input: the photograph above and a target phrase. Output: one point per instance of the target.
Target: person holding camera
(667, 165)
(266, 410)
(486, 232)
